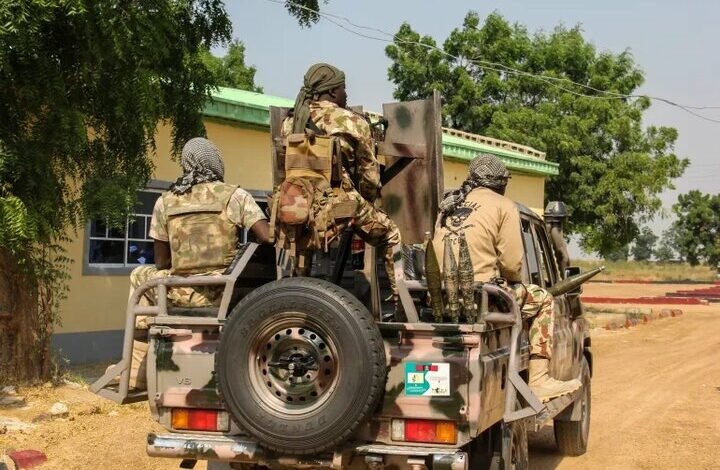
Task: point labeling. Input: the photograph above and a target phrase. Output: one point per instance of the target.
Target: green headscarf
(319, 78)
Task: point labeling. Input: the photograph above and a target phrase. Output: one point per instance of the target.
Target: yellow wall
(97, 303)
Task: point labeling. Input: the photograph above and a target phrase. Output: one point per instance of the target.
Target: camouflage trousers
(534, 301)
(375, 228)
(177, 296)
(201, 296)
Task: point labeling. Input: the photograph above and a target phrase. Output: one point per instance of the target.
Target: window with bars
(130, 247)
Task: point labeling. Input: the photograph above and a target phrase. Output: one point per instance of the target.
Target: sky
(674, 43)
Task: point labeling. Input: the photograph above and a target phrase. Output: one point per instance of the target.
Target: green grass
(648, 271)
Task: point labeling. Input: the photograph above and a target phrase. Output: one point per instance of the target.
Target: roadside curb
(627, 318)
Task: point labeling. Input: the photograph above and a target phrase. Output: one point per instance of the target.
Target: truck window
(530, 254)
(546, 256)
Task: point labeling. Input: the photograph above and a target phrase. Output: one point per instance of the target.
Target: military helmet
(555, 211)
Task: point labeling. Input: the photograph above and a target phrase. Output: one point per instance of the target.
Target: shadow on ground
(544, 455)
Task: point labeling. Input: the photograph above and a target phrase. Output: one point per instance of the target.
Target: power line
(497, 67)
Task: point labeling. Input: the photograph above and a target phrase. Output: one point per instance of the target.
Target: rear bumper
(245, 450)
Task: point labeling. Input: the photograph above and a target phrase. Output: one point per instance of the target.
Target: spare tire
(300, 365)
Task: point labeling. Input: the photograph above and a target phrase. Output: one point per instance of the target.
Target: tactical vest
(202, 238)
(309, 203)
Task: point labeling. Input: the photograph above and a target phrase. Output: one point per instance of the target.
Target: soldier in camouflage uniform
(195, 227)
(491, 224)
(322, 101)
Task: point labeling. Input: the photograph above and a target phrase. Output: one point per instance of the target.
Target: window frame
(114, 269)
(526, 249)
(546, 257)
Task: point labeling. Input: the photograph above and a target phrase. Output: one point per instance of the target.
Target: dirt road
(655, 396)
(655, 404)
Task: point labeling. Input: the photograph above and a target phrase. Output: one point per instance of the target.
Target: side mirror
(573, 271)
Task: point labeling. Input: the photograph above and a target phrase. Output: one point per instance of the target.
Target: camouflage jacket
(355, 141)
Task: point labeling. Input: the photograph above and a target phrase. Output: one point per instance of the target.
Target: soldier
(195, 228)
(321, 104)
(491, 224)
(555, 212)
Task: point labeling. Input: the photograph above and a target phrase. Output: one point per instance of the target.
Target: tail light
(424, 430)
(199, 420)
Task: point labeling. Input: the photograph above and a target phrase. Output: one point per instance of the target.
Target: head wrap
(319, 78)
(201, 163)
(485, 170)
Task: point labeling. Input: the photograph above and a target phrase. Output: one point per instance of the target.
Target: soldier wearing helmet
(491, 225)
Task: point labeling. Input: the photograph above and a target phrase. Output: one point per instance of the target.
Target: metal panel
(411, 197)
(277, 116)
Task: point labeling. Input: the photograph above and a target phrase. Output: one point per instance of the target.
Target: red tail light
(424, 430)
(199, 420)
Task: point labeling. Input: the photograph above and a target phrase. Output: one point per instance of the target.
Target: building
(93, 315)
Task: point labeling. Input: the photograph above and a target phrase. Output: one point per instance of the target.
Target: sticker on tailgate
(427, 379)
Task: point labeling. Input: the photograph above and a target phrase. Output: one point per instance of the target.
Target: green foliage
(83, 85)
(230, 70)
(644, 245)
(618, 254)
(611, 168)
(665, 251)
(696, 231)
(306, 11)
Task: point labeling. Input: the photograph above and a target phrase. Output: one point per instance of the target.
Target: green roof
(252, 109)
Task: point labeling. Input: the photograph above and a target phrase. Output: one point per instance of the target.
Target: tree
(83, 85)
(665, 251)
(496, 79)
(644, 245)
(696, 230)
(230, 70)
(307, 12)
(618, 254)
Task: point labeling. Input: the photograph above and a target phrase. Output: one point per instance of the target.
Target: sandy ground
(655, 404)
(655, 393)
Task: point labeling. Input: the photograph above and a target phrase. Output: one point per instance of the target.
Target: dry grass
(649, 271)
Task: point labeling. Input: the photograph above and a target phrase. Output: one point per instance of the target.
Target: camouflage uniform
(369, 222)
(197, 245)
(536, 301)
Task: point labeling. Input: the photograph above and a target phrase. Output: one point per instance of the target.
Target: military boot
(545, 387)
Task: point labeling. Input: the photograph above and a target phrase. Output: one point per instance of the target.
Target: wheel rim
(585, 411)
(293, 364)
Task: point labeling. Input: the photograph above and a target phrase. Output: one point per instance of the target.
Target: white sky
(674, 43)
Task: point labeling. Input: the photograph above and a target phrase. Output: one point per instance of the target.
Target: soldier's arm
(358, 130)
(561, 252)
(159, 234)
(261, 230)
(163, 259)
(244, 212)
(510, 247)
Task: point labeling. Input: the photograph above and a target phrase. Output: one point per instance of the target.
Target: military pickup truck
(317, 372)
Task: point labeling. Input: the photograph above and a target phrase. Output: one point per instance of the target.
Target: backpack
(309, 206)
